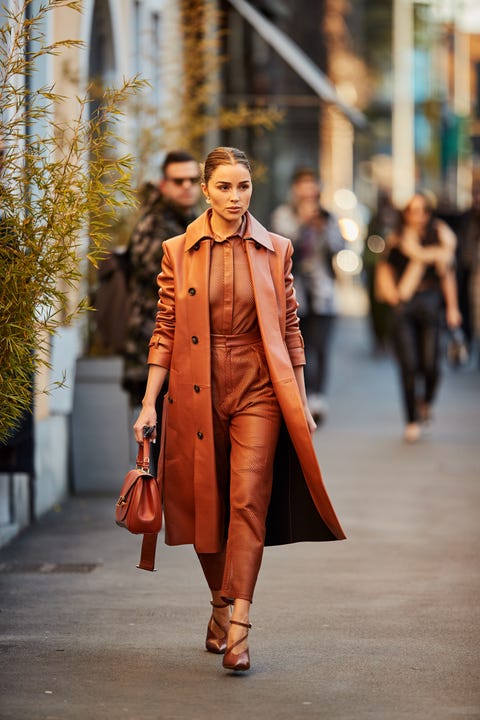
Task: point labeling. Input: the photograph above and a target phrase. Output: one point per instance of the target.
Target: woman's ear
(205, 192)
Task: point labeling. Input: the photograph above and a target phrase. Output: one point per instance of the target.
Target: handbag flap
(129, 483)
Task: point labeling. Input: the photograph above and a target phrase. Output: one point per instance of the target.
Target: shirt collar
(200, 229)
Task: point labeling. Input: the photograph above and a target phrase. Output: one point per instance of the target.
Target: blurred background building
(377, 95)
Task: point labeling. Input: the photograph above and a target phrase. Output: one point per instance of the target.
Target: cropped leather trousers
(246, 426)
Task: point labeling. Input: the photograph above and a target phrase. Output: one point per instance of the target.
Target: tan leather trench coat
(300, 508)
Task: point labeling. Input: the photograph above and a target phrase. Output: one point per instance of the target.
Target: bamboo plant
(62, 183)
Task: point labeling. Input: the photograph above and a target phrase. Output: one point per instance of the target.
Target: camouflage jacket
(160, 221)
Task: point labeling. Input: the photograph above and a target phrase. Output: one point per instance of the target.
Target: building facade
(373, 94)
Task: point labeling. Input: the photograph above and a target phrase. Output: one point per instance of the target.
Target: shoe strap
(235, 622)
(219, 606)
(242, 639)
(238, 642)
(218, 624)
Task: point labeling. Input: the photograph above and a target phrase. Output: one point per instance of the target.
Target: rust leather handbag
(139, 507)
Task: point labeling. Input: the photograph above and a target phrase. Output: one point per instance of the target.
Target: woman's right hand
(147, 418)
(148, 414)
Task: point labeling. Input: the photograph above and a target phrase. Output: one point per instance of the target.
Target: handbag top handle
(143, 455)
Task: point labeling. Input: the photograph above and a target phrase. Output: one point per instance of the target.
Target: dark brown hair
(429, 205)
(302, 173)
(176, 156)
(223, 156)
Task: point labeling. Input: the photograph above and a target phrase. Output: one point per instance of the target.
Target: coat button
(200, 435)
(170, 399)
(196, 388)
(194, 340)
(257, 245)
(196, 246)
(191, 291)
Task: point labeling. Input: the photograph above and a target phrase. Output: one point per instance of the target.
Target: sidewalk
(384, 626)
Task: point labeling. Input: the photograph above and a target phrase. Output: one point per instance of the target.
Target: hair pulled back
(223, 156)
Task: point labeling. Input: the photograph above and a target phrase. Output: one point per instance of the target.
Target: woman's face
(417, 214)
(229, 190)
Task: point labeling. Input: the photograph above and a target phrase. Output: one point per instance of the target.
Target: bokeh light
(349, 228)
(376, 244)
(349, 262)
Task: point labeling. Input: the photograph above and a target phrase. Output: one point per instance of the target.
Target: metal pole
(403, 106)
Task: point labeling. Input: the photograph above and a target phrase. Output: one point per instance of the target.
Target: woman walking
(237, 464)
(416, 277)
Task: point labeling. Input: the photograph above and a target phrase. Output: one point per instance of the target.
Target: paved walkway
(384, 626)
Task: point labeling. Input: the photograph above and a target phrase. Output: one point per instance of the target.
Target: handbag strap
(149, 542)
(143, 455)
(147, 556)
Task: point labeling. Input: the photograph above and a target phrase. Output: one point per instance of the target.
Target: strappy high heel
(214, 643)
(242, 660)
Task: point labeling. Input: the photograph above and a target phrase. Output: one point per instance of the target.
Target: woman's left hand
(312, 425)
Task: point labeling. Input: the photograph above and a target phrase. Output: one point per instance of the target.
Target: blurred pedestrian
(317, 238)
(416, 277)
(304, 193)
(381, 225)
(468, 268)
(228, 332)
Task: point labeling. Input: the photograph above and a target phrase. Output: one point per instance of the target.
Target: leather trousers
(246, 425)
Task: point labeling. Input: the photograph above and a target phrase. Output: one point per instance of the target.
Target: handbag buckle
(122, 500)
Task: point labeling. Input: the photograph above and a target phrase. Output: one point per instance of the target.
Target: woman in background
(416, 277)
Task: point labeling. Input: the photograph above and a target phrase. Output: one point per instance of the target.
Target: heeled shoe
(214, 643)
(242, 660)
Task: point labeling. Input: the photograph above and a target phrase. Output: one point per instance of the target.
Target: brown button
(170, 399)
(257, 245)
(200, 435)
(194, 340)
(191, 291)
(196, 246)
(196, 388)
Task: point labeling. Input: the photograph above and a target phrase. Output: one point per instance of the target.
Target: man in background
(168, 210)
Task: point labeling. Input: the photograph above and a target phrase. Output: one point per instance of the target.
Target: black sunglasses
(181, 181)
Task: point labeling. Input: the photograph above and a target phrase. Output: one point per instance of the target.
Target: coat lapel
(267, 311)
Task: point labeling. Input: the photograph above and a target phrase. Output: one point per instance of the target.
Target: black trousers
(416, 339)
(317, 333)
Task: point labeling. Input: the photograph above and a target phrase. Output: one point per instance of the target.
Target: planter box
(101, 427)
